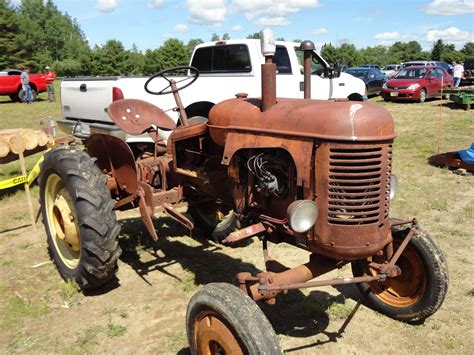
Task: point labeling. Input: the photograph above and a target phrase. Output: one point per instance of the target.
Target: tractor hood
(316, 119)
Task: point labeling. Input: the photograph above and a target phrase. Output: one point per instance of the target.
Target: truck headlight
(302, 215)
(393, 186)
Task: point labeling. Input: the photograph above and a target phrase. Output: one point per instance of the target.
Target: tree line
(36, 33)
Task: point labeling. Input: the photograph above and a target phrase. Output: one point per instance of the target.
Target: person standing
(458, 70)
(50, 77)
(25, 84)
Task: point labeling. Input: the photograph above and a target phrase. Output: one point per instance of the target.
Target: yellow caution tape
(22, 179)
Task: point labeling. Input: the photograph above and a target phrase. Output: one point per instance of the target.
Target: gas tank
(318, 119)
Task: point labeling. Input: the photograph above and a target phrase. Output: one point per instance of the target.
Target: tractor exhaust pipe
(267, 43)
(307, 47)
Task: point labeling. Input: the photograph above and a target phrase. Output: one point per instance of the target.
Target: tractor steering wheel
(169, 88)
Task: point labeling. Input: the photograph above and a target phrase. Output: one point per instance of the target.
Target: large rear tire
(79, 219)
(421, 287)
(221, 319)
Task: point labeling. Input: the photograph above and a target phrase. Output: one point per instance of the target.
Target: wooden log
(16, 143)
(42, 138)
(4, 149)
(30, 139)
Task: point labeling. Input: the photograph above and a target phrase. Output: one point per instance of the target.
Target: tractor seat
(136, 117)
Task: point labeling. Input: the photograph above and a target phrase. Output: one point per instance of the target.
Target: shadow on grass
(294, 314)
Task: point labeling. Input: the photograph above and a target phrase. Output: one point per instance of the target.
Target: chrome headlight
(384, 86)
(393, 186)
(413, 87)
(302, 215)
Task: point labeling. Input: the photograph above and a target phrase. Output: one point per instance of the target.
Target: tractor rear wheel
(79, 219)
(221, 319)
(421, 287)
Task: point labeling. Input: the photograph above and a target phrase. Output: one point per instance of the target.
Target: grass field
(145, 311)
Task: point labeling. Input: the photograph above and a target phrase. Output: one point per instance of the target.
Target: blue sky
(148, 23)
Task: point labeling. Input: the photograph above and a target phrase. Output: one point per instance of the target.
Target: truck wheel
(420, 289)
(221, 319)
(217, 220)
(79, 219)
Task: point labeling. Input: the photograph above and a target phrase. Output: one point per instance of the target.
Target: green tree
(192, 43)
(11, 53)
(225, 36)
(468, 50)
(215, 37)
(438, 50)
(255, 35)
(172, 53)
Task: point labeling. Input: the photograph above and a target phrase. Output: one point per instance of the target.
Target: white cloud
(237, 28)
(272, 21)
(272, 12)
(451, 34)
(384, 36)
(106, 5)
(180, 27)
(167, 35)
(155, 4)
(450, 7)
(211, 12)
(319, 31)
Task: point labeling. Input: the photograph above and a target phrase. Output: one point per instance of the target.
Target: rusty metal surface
(115, 157)
(178, 216)
(307, 73)
(244, 233)
(352, 195)
(268, 84)
(316, 119)
(135, 116)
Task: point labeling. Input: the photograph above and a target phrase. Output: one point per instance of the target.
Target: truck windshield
(232, 58)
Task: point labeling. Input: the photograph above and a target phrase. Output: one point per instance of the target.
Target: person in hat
(50, 77)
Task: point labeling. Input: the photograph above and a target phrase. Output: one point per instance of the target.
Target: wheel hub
(213, 336)
(64, 220)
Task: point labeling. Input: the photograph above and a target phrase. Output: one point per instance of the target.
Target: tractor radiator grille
(358, 184)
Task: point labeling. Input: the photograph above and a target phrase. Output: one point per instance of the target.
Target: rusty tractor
(314, 174)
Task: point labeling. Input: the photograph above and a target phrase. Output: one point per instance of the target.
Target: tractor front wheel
(421, 287)
(79, 219)
(221, 319)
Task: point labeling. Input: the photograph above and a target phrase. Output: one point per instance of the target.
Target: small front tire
(421, 287)
(221, 319)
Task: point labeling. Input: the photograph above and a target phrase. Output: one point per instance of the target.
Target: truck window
(317, 68)
(282, 60)
(232, 58)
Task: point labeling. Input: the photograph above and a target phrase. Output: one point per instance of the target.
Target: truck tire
(79, 219)
(420, 289)
(221, 319)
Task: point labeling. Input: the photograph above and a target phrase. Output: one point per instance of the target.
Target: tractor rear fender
(301, 150)
(114, 157)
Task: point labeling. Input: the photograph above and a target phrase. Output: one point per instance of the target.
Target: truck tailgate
(87, 99)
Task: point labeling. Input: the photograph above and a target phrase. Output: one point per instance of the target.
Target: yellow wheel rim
(62, 221)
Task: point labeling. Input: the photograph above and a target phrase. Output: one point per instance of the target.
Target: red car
(10, 84)
(417, 83)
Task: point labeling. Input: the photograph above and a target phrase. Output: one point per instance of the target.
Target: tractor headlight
(302, 215)
(393, 186)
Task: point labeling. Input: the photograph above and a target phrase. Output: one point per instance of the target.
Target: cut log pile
(18, 140)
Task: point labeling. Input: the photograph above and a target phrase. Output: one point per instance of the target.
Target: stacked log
(18, 140)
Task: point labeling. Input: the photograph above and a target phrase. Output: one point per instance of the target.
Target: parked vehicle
(10, 84)
(448, 67)
(375, 66)
(419, 63)
(373, 79)
(311, 173)
(391, 69)
(226, 68)
(417, 83)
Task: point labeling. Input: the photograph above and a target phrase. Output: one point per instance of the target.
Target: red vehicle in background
(417, 83)
(10, 84)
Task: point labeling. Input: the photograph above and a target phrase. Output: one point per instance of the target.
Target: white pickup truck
(226, 68)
